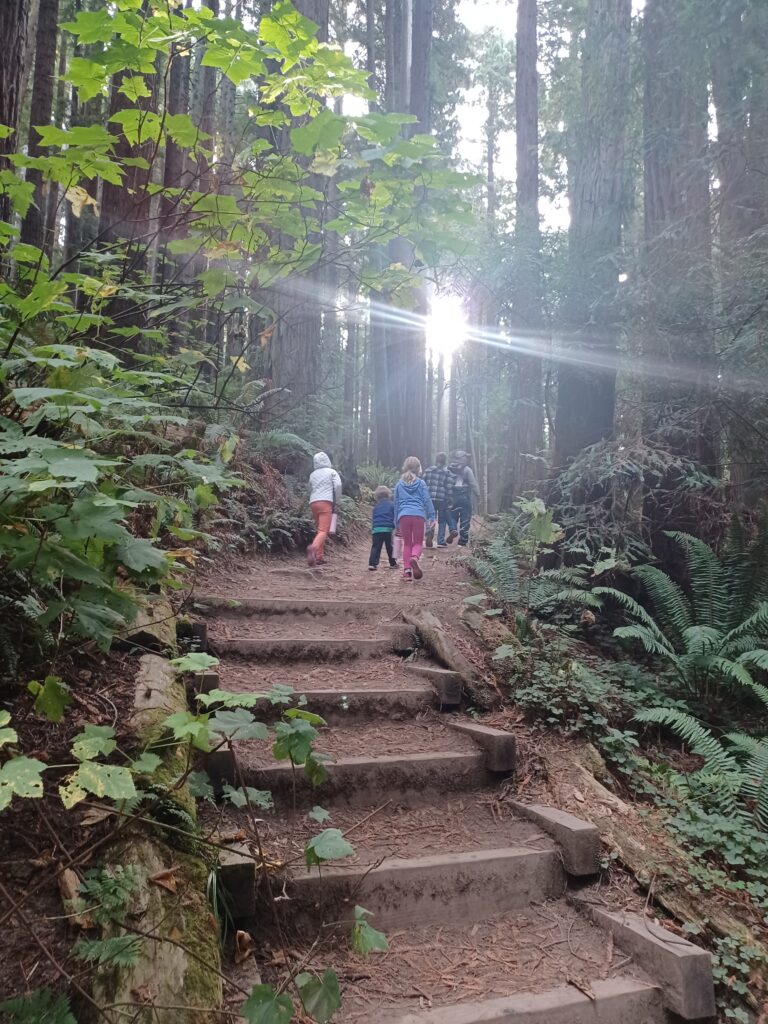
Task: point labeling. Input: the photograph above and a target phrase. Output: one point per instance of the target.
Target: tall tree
(679, 337)
(527, 417)
(587, 380)
(13, 33)
(33, 225)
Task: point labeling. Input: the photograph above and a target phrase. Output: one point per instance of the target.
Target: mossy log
(662, 868)
(153, 628)
(176, 979)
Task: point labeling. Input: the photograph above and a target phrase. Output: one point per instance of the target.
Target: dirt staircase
(486, 903)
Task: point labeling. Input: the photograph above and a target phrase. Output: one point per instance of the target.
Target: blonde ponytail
(411, 470)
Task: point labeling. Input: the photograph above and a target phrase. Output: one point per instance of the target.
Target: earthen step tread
(387, 672)
(428, 732)
(463, 822)
(324, 648)
(528, 951)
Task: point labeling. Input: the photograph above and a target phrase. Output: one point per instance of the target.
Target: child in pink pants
(413, 510)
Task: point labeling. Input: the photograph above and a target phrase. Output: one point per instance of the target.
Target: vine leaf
(329, 844)
(320, 997)
(365, 938)
(51, 697)
(265, 1006)
(21, 776)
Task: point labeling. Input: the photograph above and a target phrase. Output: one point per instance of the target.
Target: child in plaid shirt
(440, 485)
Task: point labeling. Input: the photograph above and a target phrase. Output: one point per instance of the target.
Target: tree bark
(679, 343)
(587, 380)
(33, 225)
(52, 211)
(527, 416)
(13, 32)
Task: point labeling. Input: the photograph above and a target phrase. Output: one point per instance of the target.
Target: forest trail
(472, 896)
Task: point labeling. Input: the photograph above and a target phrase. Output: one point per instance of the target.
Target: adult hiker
(440, 486)
(464, 490)
(324, 500)
(413, 511)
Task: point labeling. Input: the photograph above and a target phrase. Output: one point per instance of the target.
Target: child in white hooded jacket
(324, 499)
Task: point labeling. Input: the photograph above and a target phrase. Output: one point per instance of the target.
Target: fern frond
(743, 743)
(699, 739)
(756, 783)
(636, 610)
(278, 440)
(648, 639)
(672, 608)
(707, 578)
(702, 639)
(756, 624)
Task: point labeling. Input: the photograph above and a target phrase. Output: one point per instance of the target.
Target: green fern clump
(734, 776)
(714, 631)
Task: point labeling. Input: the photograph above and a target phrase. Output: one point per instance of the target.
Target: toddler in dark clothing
(382, 526)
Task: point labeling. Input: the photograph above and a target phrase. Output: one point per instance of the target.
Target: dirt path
(471, 896)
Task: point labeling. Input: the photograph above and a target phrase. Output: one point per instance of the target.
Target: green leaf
(103, 780)
(237, 724)
(366, 939)
(307, 716)
(195, 662)
(320, 998)
(260, 798)
(314, 768)
(199, 785)
(329, 844)
(188, 727)
(146, 763)
(134, 88)
(93, 741)
(323, 133)
(117, 951)
(265, 1006)
(139, 555)
(7, 734)
(319, 814)
(40, 1007)
(21, 776)
(294, 741)
(51, 697)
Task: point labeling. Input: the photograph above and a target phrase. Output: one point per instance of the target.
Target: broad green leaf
(146, 763)
(320, 997)
(265, 1006)
(21, 776)
(92, 26)
(51, 697)
(188, 727)
(93, 741)
(237, 724)
(314, 768)
(322, 133)
(329, 844)
(199, 785)
(140, 555)
(7, 734)
(260, 798)
(319, 814)
(103, 780)
(196, 661)
(294, 740)
(134, 88)
(366, 939)
(307, 716)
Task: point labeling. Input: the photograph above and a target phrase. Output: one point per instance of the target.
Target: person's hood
(321, 461)
(413, 487)
(455, 466)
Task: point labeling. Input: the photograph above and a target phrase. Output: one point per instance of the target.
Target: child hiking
(413, 509)
(324, 500)
(382, 525)
(439, 482)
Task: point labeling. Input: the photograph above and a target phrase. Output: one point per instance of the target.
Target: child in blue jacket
(382, 525)
(414, 509)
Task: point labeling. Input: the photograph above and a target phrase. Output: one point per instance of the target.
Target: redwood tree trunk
(33, 225)
(527, 417)
(13, 33)
(679, 341)
(587, 380)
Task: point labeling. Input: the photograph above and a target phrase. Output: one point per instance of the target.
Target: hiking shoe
(451, 536)
(429, 538)
(416, 569)
(393, 564)
(407, 576)
(372, 568)
(443, 545)
(311, 557)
